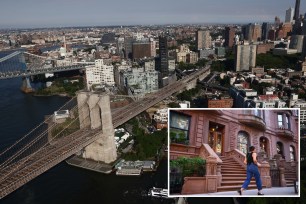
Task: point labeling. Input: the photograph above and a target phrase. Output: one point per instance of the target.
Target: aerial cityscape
(86, 87)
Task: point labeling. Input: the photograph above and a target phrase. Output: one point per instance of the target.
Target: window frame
(247, 136)
(292, 153)
(186, 130)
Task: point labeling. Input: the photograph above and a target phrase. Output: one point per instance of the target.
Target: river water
(63, 183)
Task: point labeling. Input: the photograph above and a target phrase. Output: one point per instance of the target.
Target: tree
(173, 105)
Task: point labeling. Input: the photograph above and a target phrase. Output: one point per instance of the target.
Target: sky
(58, 13)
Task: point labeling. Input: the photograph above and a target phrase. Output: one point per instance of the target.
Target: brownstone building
(222, 137)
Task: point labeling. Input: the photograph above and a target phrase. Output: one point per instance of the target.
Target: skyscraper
(297, 10)
(245, 57)
(128, 47)
(256, 35)
(277, 21)
(252, 32)
(297, 28)
(163, 55)
(289, 15)
(265, 31)
(203, 39)
(141, 49)
(229, 36)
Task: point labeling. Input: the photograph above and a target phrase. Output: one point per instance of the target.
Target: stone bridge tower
(94, 112)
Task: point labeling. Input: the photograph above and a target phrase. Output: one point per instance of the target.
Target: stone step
(290, 176)
(234, 175)
(234, 183)
(227, 171)
(234, 188)
(235, 178)
(230, 163)
(228, 160)
(232, 168)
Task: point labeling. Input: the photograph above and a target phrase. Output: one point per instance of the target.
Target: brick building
(264, 48)
(218, 102)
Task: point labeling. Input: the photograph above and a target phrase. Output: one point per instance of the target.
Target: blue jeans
(252, 170)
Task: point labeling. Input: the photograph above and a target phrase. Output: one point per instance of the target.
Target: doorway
(215, 137)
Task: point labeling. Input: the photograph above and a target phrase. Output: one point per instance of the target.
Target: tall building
(297, 27)
(141, 49)
(192, 57)
(120, 47)
(286, 28)
(252, 32)
(289, 15)
(297, 10)
(163, 56)
(296, 43)
(203, 39)
(229, 36)
(100, 74)
(256, 35)
(265, 31)
(153, 47)
(304, 50)
(138, 81)
(277, 22)
(245, 57)
(272, 34)
(128, 47)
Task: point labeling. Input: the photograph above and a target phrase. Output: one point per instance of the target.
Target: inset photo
(234, 152)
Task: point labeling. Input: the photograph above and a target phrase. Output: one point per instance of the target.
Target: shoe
(260, 193)
(239, 191)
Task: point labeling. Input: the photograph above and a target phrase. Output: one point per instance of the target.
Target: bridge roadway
(30, 72)
(16, 175)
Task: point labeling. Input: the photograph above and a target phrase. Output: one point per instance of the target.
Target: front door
(215, 141)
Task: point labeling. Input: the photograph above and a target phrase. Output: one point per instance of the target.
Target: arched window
(280, 148)
(243, 142)
(264, 144)
(292, 153)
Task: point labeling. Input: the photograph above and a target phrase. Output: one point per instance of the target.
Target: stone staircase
(290, 177)
(233, 175)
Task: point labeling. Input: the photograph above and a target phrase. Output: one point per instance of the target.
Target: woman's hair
(251, 148)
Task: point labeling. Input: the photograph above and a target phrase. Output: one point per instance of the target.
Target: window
(292, 154)
(243, 142)
(279, 149)
(280, 120)
(179, 127)
(288, 122)
(257, 113)
(283, 121)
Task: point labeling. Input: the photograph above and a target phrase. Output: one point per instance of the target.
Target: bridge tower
(26, 85)
(94, 112)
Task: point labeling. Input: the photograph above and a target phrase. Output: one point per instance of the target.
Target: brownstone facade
(225, 136)
(231, 123)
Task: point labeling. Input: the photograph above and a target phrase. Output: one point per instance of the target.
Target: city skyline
(59, 13)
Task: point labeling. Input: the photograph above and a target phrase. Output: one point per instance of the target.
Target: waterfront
(63, 183)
